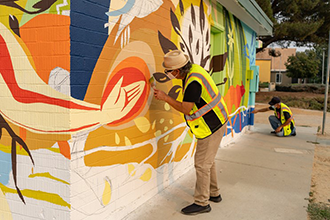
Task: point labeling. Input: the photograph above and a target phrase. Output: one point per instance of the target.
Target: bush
(263, 84)
(318, 211)
(314, 88)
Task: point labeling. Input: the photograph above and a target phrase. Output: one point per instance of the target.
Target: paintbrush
(152, 82)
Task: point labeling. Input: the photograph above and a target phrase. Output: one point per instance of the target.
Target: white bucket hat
(175, 59)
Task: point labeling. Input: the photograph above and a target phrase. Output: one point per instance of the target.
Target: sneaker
(273, 132)
(294, 134)
(215, 198)
(194, 209)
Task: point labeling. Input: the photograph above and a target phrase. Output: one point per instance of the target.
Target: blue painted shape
(5, 167)
(251, 117)
(238, 126)
(123, 10)
(88, 37)
(249, 47)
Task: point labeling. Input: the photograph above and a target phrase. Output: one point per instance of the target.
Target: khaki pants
(206, 174)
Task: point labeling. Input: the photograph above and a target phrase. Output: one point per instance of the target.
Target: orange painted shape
(64, 149)
(47, 37)
(108, 158)
(22, 134)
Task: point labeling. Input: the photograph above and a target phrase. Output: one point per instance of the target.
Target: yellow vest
(287, 129)
(211, 95)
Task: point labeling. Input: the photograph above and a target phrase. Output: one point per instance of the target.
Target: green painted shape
(218, 43)
(26, 17)
(52, 10)
(187, 140)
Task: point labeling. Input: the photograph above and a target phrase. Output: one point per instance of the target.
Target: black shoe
(294, 134)
(215, 198)
(273, 132)
(194, 209)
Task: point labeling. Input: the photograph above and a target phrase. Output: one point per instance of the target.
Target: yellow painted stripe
(55, 150)
(7, 149)
(38, 195)
(47, 175)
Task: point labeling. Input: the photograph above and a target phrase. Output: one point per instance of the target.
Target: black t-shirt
(278, 114)
(193, 94)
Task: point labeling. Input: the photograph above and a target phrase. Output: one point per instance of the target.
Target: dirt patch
(320, 187)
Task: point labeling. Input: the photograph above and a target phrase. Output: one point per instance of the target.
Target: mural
(79, 128)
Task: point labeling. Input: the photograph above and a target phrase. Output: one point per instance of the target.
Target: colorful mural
(79, 126)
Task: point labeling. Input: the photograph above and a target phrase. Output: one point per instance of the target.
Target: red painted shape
(26, 96)
(130, 75)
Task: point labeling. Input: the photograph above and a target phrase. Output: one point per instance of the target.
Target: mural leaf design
(165, 43)
(161, 77)
(218, 62)
(203, 62)
(224, 58)
(207, 37)
(224, 81)
(181, 7)
(15, 139)
(193, 16)
(44, 4)
(13, 23)
(197, 47)
(190, 36)
(183, 48)
(175, 23)
(175, 91)
(14, 168)
(201, 16)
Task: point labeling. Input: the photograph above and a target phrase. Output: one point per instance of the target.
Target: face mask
(170, 75)
(273, 106)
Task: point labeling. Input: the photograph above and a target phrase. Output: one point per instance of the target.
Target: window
(278, 79)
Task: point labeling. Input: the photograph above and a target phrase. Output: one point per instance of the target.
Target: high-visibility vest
(287, 129)
(211, 95)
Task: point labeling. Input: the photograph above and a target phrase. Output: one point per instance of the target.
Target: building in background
(273, 69)
(83, 137)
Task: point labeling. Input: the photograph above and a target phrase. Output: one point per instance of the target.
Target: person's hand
(278, 129)
(159, 94)
(254, 111)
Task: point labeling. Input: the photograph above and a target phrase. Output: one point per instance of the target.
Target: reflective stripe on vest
(287, 129)
(208, 107)
(211, 96)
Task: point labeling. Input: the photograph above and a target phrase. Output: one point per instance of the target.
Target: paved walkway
(261, 177)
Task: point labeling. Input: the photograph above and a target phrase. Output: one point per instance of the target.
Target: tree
(303, 22)
(303, 65)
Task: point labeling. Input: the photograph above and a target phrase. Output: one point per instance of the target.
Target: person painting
(282, 121)
(206, 114)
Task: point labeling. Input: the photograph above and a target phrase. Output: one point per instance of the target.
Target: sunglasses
(168, 71)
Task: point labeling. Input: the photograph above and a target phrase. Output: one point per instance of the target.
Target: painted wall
(82, 136)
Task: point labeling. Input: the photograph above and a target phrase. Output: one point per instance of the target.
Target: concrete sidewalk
(261, 177)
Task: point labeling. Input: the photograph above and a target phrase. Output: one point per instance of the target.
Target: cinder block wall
(82, 135)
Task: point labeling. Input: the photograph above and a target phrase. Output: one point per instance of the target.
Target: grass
(318, 211)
